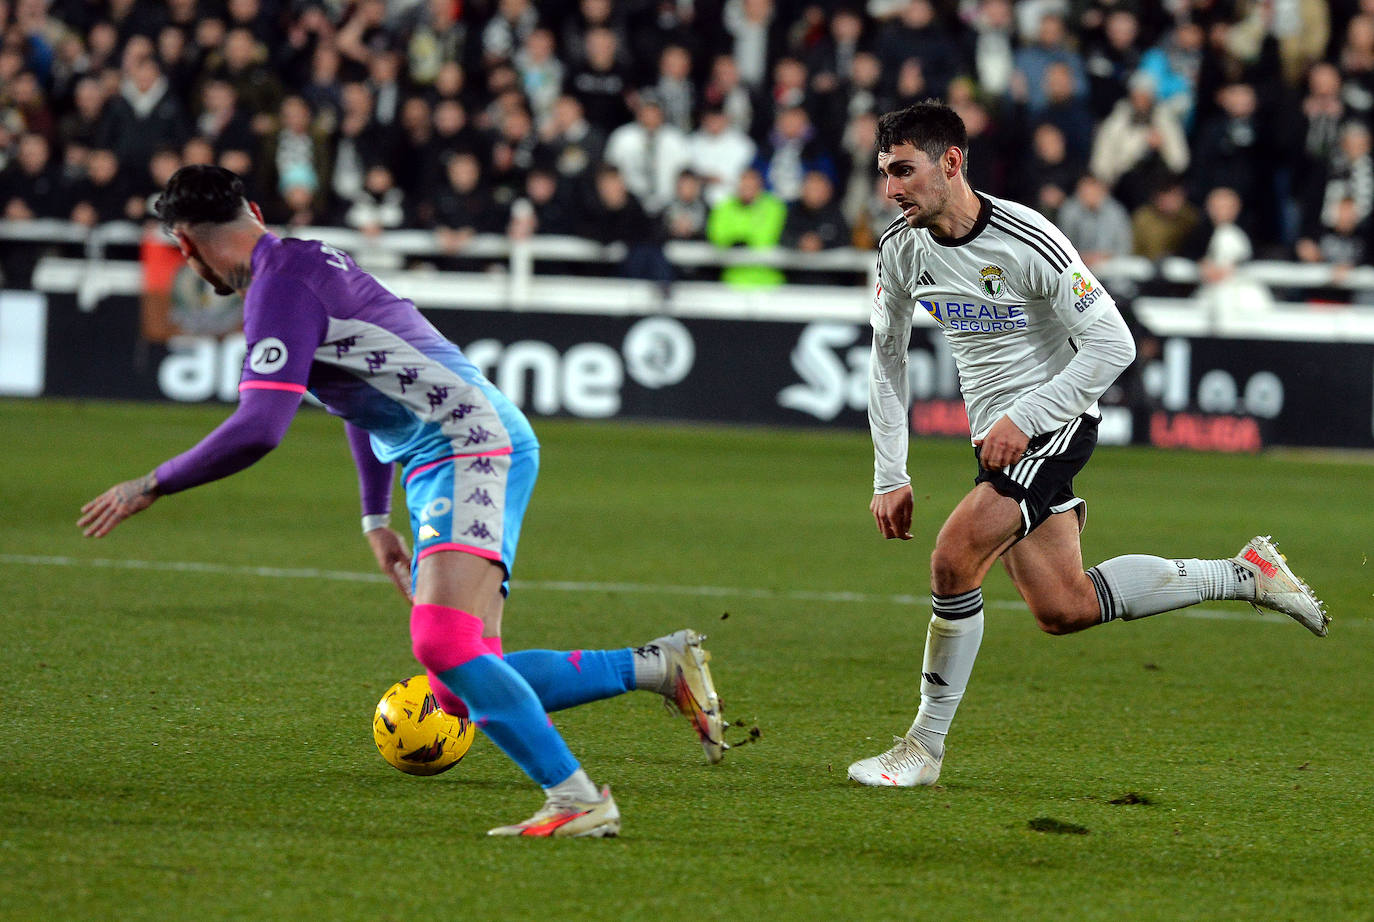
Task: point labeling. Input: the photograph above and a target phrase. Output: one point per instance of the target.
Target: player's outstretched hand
(1003, 445)
(892, 512)
(390, 550)
(102, 514)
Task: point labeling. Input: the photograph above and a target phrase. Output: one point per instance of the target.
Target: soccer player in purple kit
(314, 321)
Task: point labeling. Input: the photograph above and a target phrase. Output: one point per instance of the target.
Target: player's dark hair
(201, 194)
(930, 127)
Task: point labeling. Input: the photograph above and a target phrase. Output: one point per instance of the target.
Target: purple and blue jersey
(314, 321)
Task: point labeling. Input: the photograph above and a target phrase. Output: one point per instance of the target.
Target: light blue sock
(507, 710)
(564, 679)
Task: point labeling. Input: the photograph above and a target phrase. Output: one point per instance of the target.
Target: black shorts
(1042, 481)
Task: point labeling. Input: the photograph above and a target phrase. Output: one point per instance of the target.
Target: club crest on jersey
(994, 280)
(1085, 292)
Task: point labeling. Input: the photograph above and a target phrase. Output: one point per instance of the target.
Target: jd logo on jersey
(994, 280)
(268, 356)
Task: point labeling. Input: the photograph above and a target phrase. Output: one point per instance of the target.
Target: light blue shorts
(471, 503)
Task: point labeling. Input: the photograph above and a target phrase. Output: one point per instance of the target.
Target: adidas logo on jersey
(926, 278)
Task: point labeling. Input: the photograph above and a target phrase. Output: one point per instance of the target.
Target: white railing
(519, 284)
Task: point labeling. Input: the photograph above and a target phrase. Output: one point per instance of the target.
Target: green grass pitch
(188, 702)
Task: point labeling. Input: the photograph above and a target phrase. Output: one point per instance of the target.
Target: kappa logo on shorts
(479, 530)
(480, 497)
(268, 356)
(481, 466)
(427, 532)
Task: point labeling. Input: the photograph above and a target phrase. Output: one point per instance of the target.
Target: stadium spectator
(1162, 225)
(508, 31)
(1221, 246)
(30, 187)
(751, 218)
(25, 98)
(830, 60)
(648, 153)
(1302, 30)
(815, 221)
(758, 38)
(1140, 140)
(463, 206)
(727, 91)
(601, 83)
(675, 89)
(1174, 64)
(416, 160)
(541, 72)
(359, 143)
(568, 140)
(1096, 224)
(994, 49)
(792, 150)
(1231, 151)
(856, 161)
(545, 208)
(1067, 110)
(1342, 240)
(102, 194)
(323, 90)
(590, 15)
(299, 147)
(1049, 174)
(1356, 61)
(614, 216)
(1051, 46)
(916, 34)
(684, 217)
(180, 62)
(1348, 177)
(1112, 57)
(143, 116)
(243, 64)
(719, 152)
(380, 205)
(221, 122)
(384, 80)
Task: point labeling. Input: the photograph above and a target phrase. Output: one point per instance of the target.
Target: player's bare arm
(1002, 446)
(892, 511)
(102, 514)
(392, 556)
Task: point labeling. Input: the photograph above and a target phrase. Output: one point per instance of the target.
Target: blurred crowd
(1215, 129)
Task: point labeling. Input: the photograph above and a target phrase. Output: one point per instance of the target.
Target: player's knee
(1062, 616)
(442, 638)
(949, 570)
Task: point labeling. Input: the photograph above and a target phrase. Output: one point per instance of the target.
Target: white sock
(952, 640)
(1138, 585)
(576, 786)
(651, 667)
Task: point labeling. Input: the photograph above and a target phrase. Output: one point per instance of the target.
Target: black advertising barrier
(1205, 392)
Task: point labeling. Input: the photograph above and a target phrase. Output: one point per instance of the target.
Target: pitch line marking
(731, 592)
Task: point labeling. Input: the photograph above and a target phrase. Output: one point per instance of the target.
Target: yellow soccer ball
(414, 734)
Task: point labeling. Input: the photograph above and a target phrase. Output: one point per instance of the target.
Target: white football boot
(688, 690)
(563, 816)
(1278, 588)
(907, 764)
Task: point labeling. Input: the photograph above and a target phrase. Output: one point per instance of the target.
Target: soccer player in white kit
(1037, 340)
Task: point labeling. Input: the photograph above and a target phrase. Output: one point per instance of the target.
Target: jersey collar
(984, 214)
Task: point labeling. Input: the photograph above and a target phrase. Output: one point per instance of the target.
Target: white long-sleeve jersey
(1033, 333)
